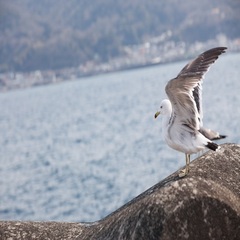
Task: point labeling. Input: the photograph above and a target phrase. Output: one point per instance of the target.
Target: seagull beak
(156, 114)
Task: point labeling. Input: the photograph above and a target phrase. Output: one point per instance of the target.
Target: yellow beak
(156, 114)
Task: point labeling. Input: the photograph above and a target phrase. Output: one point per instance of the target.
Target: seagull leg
(185, 171)
(188, 162)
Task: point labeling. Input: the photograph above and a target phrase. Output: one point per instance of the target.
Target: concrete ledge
(203, 205)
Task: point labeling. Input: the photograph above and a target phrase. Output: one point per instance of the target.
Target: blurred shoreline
(147, 54)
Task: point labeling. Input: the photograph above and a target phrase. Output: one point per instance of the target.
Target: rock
(203, 205)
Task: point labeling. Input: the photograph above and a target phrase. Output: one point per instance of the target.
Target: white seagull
(182, 113)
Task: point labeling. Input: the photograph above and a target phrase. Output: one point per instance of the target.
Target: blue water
(78, 150)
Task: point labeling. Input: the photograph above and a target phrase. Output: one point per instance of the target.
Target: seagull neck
(167, 118)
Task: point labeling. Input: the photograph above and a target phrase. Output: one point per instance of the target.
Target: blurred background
(80, 82)
(58, 40)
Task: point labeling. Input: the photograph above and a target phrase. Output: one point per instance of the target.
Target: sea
(78, 150)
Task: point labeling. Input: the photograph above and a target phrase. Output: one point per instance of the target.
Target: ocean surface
(78, 150)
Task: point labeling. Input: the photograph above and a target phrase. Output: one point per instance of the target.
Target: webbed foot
(183, 172)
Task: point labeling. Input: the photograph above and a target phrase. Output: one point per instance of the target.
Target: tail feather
(213, 146)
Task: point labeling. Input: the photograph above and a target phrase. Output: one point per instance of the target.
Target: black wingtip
(202, 63)
(218, 137)
(213, 146)
(217, 49)
(214, 52)
(222, 136)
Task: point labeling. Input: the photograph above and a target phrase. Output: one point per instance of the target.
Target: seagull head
(165, 108)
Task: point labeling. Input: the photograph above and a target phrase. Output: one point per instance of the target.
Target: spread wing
(185, 91)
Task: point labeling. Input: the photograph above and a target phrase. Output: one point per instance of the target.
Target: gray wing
(210, 134)
(185, 91)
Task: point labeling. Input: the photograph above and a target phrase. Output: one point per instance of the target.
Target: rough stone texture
(203, 205)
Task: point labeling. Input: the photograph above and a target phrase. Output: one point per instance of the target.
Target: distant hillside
(53, 34)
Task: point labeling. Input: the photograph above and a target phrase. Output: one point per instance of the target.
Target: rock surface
(203, 205)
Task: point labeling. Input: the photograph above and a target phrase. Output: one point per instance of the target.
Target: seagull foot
(183, 173)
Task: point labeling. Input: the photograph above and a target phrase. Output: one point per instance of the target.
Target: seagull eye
(161, 107)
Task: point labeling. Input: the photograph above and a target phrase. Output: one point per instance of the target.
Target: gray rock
(203, 205)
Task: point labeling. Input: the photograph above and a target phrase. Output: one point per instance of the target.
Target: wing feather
(185, 91)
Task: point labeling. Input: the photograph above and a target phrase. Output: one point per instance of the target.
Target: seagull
(182, 112)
